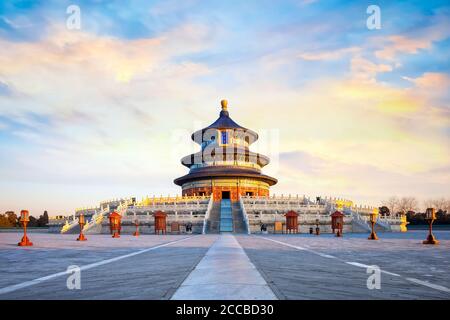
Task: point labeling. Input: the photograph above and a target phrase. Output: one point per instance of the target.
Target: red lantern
(291, 222)
(81, 222)
(114, 224)
(337, 223)
(25, 218)
(160, 222)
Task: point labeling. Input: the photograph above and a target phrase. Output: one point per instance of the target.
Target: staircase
(226, 216)
(213, 223)
(71, 227)
(359, 224)
(238, 218)
(381, 225)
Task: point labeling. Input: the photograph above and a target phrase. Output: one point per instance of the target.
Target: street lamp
(114, 224)
(373, 219)
(430, 216)
(81, 222)
(136, 223)
(25, 218)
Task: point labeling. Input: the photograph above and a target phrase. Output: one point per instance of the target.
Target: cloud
(401, 44)
(365, 70)
(432, 88)
(4, 89)
(328, 55)
(94, 115)
(101, 97)
(431, 81)
(415, 40)
(350, 121)
(364, 183)
(19, 23)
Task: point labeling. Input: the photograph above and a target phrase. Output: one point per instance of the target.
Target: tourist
(263, 228)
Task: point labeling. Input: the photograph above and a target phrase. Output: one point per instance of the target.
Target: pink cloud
(328, 55)
(401, 44)
(432, 80)
(412, 43)
(366, 70)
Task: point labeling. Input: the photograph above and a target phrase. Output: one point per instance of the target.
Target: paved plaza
(225, 266)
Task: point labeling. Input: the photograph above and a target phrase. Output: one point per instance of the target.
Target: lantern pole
(430, 216)
(339, 232)
(24, 218)
(136, 223)
(373, 217)
(81, 222)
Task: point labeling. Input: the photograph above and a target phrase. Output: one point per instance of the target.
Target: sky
(106, 110)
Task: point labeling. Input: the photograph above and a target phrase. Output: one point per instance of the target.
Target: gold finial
(224, 104)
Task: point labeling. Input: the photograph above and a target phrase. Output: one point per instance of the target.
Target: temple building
(225, 167)
(226, 191)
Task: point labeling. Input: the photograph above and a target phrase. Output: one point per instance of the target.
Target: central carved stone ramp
(224, 273)
(226, 217)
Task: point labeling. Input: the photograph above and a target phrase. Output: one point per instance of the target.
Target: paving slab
(153, 274)
(326, 267)
(225, 273)
(226, 266)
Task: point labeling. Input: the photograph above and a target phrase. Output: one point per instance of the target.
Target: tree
(33, 222)
(9, 219)
(439, 204)
(12, 218)
(406, 204)
(384, 211)
(392, 204)
(43, 220)
(3, 221)
(446, 206)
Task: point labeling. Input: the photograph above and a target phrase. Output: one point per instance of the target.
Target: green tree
(12, 219)
(33, 222)
(43, 220)
(8, 219)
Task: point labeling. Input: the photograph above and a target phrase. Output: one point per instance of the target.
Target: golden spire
(224, 104)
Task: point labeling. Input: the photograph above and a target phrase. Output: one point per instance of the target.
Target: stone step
(238, 219)
(213, 223)
(226, 217)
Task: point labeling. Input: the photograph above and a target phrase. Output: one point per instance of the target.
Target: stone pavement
(225, 273)
(225, 266)
(154, 274)
(326, 267)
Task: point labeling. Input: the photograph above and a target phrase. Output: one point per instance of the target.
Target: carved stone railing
(245, 215)
(208, 211)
